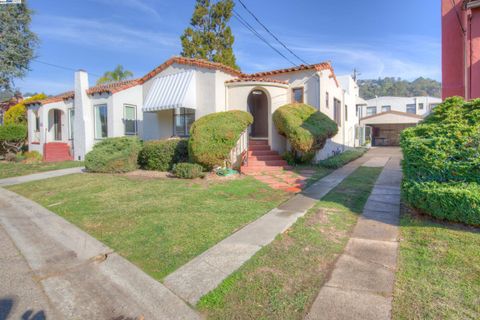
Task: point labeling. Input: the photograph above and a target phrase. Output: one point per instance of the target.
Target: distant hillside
(398, 87)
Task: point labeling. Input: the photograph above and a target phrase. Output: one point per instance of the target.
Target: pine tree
(209, 36)
(17, 43)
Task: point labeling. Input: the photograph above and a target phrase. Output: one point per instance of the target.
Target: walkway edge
(153, 297)
(39, 176)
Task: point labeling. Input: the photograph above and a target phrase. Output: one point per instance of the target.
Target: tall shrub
(113, 155)
(12, 138)
(213, 136)
(18, 113)
(161, 155)
(305, 128)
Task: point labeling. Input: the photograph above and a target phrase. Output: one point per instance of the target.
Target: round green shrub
(213, 136)
(457, 202)
(187, 170)
(161, 155)
(305, 128)
(12, 138)
(114, 155)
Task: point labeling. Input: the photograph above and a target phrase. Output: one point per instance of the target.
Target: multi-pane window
(130, 119)
(386, 108)
(71, 122)
(412, 108)
(297, 95)
(371, 111)
(101, 121)
(337, 111)
(183, 119)
(420, 106)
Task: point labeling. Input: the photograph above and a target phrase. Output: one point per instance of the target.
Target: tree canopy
(17, 43)
(397, 87)
(209, 35)
(118, 74)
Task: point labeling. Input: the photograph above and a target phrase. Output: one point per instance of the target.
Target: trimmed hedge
(187, 170)
(213, 136)
(114, 155)
(305, 128)
(12, 138)
(457, 202)
(441, 163)
(343, 158)
(161, 155)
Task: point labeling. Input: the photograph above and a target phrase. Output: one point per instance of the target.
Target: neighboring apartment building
(389, 116)
(165, 102)
(461, 48)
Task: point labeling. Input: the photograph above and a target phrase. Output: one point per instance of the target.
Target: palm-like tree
(118, 74)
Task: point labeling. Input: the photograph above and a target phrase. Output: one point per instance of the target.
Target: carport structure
(387, 126)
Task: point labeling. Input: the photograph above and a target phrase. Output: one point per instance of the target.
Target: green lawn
(438, 274)
(158, 224)
(282, 280)
(14, 169)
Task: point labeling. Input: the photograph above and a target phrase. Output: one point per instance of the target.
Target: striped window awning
(172, 91)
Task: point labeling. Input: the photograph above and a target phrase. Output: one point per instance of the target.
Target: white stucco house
(387, 117)
(166, 101)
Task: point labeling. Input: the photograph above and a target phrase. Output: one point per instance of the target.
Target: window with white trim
(412, 108)
(130, 119)
(71, 122)
(101, 121)
(371, 111)
(386, 108)
(337, 111)
(183, 119)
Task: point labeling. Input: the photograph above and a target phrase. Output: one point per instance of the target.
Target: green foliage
(185, 170)
(18, 113)
(213, 136)
(12, 138)
(17, 43)
(369, 89)
(161, 155)
(343, 158)
(442, 156)
(305, 128)
(209, 36)
(32, 157)
(118, 74)
(114, 155)
(457, 202)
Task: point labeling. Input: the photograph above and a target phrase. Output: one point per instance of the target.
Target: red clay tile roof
(191, 62)
(57, 98)
(113, 87)
(255, 79)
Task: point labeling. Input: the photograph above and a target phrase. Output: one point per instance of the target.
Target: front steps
(262, 158)
(56, 151)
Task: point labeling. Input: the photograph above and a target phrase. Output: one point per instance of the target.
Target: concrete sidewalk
(80, 277)
(361, 284)
(205, 272)
(39, 176)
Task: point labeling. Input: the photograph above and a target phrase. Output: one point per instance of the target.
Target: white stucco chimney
(83, 126)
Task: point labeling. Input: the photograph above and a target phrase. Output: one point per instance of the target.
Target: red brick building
(461, 48)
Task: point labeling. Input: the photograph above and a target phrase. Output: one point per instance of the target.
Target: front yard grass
(282, 280)
(438, 273)
(15, 169)
(158, 224)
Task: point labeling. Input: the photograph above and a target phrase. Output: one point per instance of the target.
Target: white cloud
(103, 35)
(139, 5)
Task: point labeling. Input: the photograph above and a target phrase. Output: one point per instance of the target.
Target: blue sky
(378, 37)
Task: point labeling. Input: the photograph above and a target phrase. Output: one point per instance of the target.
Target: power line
(271, 33)
(258, 35)
(61, 67)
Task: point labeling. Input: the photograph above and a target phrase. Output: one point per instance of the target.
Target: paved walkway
(286, 180)
(66, 268)
(205, 272)
(39, 176)
(361, 284)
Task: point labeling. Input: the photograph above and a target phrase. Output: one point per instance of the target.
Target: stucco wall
(157, 125)
(132, 96)
(400, 104)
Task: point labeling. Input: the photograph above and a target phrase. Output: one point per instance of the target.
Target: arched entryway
(55, 122)
(258, 107)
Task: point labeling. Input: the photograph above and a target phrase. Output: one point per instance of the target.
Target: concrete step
(258, 142)
(259, 147)
(247, 170)
(268, 157)
(256, 153)
(268, 163)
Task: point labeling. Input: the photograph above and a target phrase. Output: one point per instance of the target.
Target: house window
(183, 119)
(337, 112)
(71, 122)
(327, 99)
(346, 113)
(371, 111)
(433, 105)
(386, 108)
(420, 106)
(297, 95)
(37, 121)
(101, 126)
(412, 108)
(130, 119)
